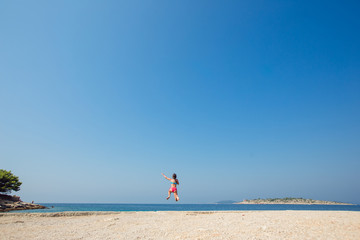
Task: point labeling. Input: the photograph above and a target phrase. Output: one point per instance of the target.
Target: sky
(242, 99)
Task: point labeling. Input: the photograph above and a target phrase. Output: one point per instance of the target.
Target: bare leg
(176, 196)
(169, 193)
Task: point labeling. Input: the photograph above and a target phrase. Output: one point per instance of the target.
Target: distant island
(289, 200)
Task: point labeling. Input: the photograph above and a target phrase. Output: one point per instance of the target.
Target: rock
(10, 203)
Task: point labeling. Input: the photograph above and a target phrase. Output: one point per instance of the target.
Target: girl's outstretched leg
(168, 195)
(176, 196)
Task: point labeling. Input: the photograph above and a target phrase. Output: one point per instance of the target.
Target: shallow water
(63, 207)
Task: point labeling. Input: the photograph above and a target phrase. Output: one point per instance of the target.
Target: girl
(173, 188)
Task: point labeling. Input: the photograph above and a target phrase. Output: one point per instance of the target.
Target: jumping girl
(173, 188)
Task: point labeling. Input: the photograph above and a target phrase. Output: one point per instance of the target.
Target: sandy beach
(182, 225)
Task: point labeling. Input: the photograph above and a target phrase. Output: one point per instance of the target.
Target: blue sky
(242, 99)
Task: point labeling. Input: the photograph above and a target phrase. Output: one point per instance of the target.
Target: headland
(11, 203)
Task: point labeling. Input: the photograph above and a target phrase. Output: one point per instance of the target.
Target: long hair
(174, 176)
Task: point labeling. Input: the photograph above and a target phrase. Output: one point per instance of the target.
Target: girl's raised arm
(165, 176)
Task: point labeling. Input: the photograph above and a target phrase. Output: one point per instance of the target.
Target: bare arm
(165, 176)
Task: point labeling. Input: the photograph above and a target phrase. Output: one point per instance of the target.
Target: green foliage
(8, 182)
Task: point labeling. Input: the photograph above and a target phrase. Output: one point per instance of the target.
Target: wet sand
(182, 225)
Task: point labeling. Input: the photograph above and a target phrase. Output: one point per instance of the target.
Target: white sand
(182, 225)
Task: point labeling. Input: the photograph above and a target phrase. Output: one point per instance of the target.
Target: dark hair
(174, 176)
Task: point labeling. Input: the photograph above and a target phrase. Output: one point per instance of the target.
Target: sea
(64, 207)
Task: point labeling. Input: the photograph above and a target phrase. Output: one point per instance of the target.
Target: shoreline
(13, 203)
(101, 213)
(17, 206)
(61, 208)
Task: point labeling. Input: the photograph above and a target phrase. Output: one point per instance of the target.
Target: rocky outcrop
(11, 203)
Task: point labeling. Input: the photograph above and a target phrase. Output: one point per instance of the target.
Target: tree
(8, 182)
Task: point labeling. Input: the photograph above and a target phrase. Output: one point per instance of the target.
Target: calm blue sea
(63, 207)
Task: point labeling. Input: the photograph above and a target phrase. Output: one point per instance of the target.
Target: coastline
(20, 206)
(13, 203)
(188, 225)
(85, 207)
